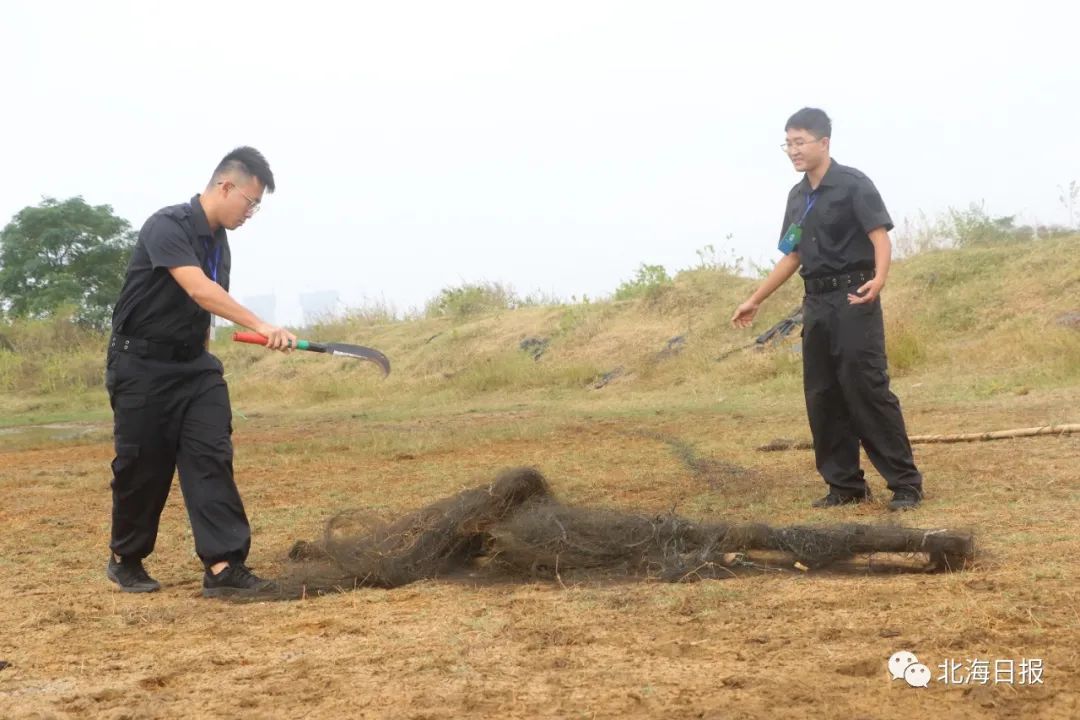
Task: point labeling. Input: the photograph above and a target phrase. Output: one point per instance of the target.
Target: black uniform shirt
(152, 305)
(835, 233)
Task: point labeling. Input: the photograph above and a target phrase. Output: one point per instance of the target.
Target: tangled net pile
(515, 527)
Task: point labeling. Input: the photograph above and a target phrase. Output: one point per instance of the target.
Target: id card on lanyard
(790, 242)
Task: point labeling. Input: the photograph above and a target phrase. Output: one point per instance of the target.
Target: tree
(64, 255)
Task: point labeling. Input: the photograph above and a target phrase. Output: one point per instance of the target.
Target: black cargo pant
(848, 400)
(170, 415)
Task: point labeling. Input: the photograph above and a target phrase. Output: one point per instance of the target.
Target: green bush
(974, 226)
(471, 299)
(649, 282)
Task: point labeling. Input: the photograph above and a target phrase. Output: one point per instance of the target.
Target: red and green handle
(253, 338)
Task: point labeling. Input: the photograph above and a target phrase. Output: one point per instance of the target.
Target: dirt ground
(778, 645)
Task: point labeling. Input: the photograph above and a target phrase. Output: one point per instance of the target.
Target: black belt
(180, 352)
(844, 281)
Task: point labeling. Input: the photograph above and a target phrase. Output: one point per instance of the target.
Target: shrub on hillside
(471, 299)
(649, 282)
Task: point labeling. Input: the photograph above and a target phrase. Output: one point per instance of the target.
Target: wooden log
(860, 539)
(784, 444)
(998, 434)
(853, 538)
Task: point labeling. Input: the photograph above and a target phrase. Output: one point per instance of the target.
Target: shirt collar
(828, 179)
(202, 225)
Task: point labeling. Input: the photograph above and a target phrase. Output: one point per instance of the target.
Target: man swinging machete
(169, 397)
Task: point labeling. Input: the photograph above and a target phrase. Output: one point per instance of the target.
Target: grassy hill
(962, 325)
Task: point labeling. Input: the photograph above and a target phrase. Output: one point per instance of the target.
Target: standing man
(836, 229)
(168, 394)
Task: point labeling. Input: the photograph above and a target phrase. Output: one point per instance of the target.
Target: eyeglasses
(797, 144)
(253, 204)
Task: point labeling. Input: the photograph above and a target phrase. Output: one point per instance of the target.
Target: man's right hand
(278, 338)
(785, 268)
(744, 314)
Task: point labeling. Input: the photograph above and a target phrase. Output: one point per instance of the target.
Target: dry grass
(315, 435)
(787, 645)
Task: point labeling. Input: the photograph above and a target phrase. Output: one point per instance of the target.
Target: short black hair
(813, 120)
(249, 161)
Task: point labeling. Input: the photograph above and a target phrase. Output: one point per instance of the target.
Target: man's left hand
(867, 292)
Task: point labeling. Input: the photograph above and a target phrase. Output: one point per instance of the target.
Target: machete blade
(360, 353)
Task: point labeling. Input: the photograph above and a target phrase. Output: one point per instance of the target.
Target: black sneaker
(237, 580)
(131, 576)
(907, 499)
(834, 499)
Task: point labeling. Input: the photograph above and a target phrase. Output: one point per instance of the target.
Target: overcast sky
(553, 146)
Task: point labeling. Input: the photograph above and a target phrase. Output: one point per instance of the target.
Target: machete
(339, 349)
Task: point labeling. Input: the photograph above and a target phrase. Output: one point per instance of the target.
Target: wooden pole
(781, 444)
